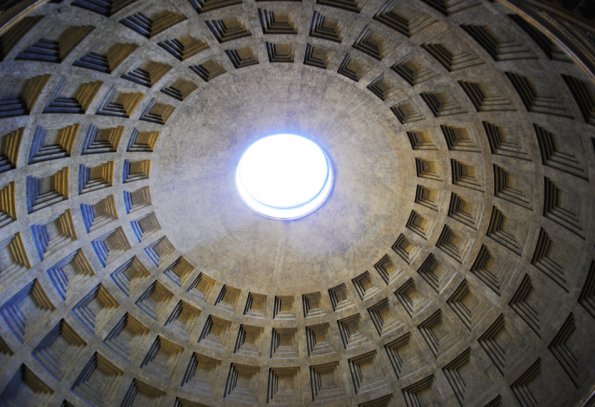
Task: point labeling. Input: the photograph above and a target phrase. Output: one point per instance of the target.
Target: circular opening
(284, 176)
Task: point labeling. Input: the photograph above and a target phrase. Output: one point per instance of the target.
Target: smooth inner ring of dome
(284, 176)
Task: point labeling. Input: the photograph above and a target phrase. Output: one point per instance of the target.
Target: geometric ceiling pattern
(480, 290)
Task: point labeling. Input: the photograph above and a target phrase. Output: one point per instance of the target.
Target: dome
(451, 262)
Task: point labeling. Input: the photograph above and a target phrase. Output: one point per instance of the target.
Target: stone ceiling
(451, 265)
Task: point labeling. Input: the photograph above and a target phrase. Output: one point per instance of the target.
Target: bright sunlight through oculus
(284, 176)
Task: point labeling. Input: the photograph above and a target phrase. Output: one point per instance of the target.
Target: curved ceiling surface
(452, 263)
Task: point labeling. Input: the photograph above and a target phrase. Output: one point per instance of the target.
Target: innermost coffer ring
(284, 176)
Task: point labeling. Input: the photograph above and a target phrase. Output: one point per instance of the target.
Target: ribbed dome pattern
(451, 265)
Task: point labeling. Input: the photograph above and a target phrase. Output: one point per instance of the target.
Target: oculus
(284, 176)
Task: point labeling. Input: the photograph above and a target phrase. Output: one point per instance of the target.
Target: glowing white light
(284, 176)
